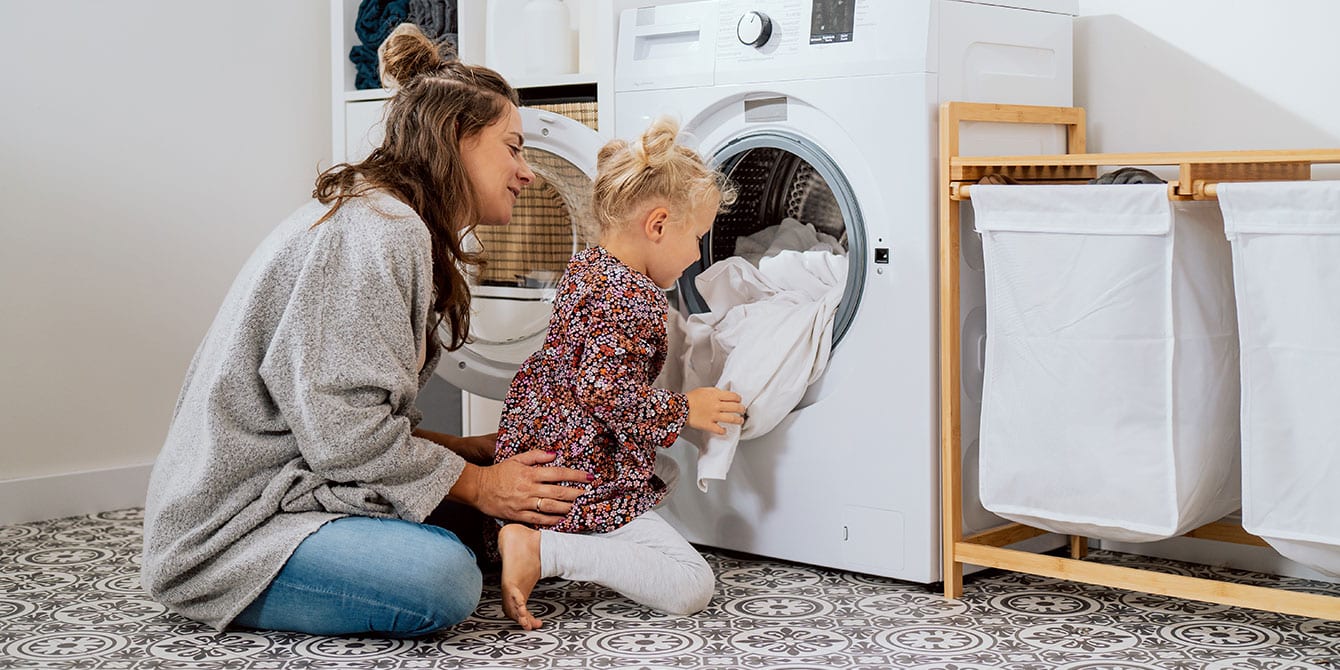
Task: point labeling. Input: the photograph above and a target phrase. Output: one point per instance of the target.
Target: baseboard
(73, 494)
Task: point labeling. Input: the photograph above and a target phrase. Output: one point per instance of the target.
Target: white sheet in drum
(767, 335)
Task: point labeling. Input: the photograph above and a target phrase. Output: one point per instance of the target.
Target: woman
(291, 488)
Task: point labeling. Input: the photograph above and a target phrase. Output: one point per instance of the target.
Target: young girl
(587, 395)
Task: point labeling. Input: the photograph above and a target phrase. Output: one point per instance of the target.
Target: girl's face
(496, 167)
(681, 245)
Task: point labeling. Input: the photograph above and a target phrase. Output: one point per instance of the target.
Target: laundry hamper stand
(1198, 175)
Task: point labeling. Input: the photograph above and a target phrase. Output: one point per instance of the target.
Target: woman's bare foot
(520, 549)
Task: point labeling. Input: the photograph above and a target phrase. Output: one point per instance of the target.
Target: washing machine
(826, 111)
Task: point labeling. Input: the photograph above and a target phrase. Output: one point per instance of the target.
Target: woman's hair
(440, 102)
(655, 166)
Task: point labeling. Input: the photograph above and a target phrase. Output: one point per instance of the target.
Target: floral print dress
(587, 394)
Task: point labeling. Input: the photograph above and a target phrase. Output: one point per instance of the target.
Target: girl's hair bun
(658, 143)
(655, 166)
(407, 53)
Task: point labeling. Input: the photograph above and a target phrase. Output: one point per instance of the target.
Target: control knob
(754, 29)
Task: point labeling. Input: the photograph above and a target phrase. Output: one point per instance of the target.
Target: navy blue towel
(377, 18)
(364, 58)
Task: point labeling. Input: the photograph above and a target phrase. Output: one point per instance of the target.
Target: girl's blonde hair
(439, 102)
(655, 166)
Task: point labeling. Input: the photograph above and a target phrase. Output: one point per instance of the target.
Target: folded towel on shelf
(436, 18)
(767, 337)
(364, 58)
(377, 18)
(366, 74)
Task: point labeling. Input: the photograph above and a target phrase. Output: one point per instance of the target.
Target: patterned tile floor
(69, 598)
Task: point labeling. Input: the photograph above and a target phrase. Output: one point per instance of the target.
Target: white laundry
(767, 337)
(790, 234)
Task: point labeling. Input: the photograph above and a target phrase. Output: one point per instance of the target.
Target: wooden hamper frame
(1198, 174)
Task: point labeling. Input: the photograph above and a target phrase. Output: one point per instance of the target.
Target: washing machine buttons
(754, 29)
(882, 255)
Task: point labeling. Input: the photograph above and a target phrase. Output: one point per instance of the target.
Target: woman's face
(496, 167)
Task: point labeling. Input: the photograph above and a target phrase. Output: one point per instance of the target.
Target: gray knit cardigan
(297, 408)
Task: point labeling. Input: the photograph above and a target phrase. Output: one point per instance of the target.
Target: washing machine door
(782, 178)
(512, 295)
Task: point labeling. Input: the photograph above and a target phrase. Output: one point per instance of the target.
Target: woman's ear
(655, 222)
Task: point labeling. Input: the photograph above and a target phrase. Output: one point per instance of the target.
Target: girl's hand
(709, 407)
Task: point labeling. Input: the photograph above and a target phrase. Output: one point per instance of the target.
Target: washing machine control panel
(754, 29)
(785, 40)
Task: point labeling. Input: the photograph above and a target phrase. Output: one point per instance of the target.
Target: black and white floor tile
(70, 599)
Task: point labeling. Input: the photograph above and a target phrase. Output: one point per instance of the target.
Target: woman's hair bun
(407, 53)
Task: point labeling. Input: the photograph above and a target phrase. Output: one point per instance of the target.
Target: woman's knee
(458, 594)
(449, 583)
(438, 611)
(363, 575)
(430, 579)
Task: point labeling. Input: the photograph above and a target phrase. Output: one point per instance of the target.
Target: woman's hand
(710, 407)
(520, 489)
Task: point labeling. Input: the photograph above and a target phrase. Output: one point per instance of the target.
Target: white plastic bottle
(549, 44)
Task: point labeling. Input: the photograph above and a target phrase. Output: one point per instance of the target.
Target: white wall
(145, 148)
(1192, 75)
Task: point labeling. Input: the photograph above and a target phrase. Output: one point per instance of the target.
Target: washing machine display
(832, 21)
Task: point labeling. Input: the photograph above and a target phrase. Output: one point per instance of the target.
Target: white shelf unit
(352, 110)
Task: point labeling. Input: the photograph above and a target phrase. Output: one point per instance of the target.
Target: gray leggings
(646, 561)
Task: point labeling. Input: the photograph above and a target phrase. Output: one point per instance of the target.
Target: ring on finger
(537, 503)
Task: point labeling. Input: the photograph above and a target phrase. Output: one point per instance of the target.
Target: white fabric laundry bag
(1110, 400)
(1285, 238)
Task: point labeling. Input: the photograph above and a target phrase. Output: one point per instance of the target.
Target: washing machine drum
(778, 178)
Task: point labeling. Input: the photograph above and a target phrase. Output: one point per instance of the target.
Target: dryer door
(513, 294)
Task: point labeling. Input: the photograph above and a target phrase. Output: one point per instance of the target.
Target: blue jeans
(360, 575)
